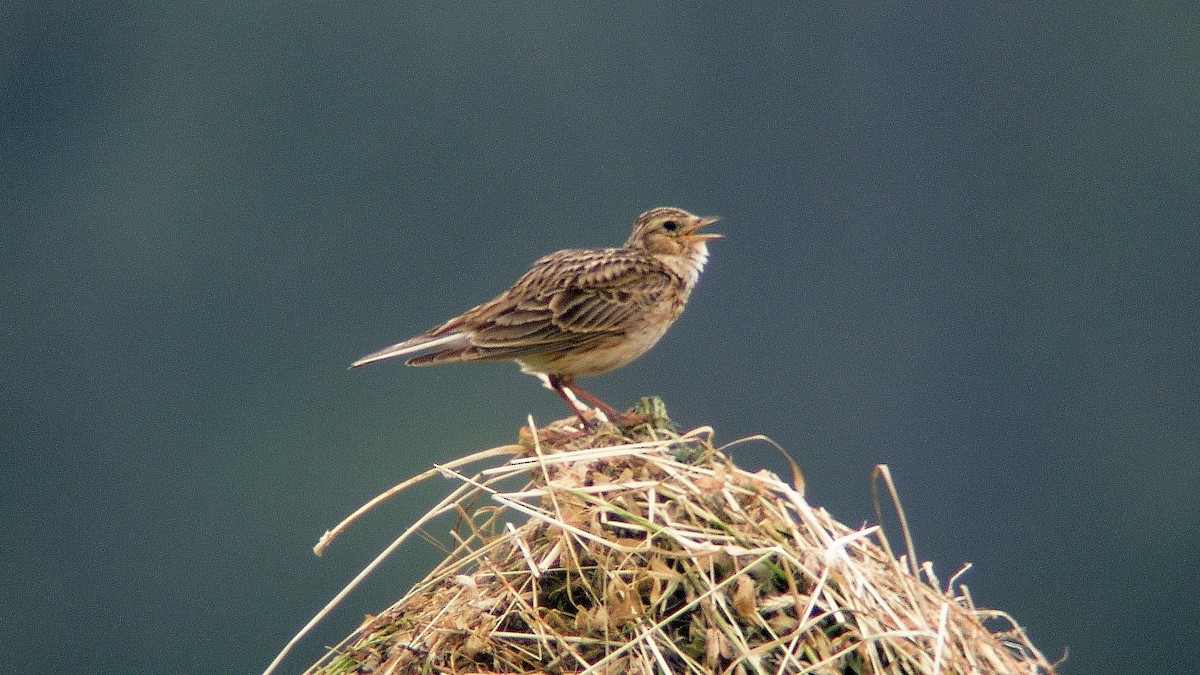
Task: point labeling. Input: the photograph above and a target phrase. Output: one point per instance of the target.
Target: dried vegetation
(643, 551)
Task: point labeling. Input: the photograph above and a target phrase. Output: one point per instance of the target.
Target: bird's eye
(671, 225)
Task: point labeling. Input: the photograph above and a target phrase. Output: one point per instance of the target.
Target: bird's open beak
(704, 222)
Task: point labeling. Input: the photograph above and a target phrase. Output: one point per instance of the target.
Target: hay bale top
(646, 551)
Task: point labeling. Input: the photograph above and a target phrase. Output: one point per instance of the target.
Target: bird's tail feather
(413, 346)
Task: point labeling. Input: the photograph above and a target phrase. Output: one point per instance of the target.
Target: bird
(578, 312)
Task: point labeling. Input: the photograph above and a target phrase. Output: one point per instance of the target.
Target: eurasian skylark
(578, 312)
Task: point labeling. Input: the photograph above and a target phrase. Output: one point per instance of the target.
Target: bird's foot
(650, 410)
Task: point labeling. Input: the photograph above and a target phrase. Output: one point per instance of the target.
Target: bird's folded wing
(566, 301)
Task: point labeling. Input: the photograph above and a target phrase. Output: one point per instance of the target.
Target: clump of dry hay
(651, 552)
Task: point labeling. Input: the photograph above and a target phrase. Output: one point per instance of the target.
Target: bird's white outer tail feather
(412, 347)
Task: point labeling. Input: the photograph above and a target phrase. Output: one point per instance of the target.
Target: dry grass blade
(646, 552)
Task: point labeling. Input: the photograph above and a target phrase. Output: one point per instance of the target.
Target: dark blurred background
(962, 241)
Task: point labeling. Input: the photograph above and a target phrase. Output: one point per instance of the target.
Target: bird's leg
(611, 414)
(560, 387)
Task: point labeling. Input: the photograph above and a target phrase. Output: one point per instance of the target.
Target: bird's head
(670, 232)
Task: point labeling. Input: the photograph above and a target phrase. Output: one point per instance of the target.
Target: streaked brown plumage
(578, 312)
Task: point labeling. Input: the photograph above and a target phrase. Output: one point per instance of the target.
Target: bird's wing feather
(565, 301)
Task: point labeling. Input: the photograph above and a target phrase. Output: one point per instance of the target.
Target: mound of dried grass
(651, 552)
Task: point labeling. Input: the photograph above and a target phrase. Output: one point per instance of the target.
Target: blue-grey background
(962, 241)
